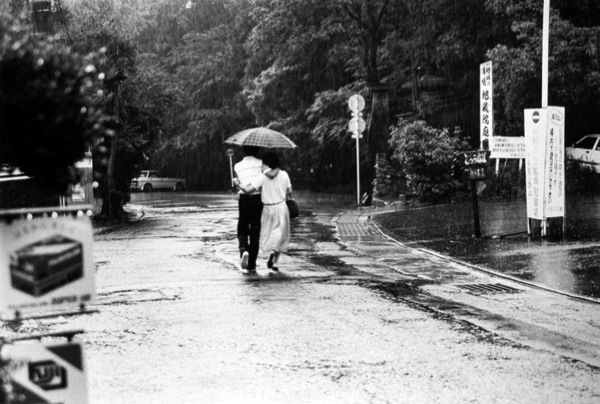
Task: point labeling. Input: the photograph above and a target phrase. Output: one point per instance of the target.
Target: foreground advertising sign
(46, 264)
(545, 170)
(47, 373)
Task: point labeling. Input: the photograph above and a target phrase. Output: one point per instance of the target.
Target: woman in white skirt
(275, 187)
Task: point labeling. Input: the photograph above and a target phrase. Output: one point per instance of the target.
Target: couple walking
(263, 214)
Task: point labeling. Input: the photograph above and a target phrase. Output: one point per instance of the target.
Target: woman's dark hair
(270, 159)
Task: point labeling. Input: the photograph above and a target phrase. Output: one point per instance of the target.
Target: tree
(48, 115)
(369, 17)
(138, 97)
(425, 156)
(574, 67)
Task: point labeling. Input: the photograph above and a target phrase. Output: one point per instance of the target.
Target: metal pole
(475, 208)
(545, 41)
(357, 172)
(231, 169)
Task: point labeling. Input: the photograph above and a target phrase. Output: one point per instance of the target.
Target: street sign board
(47, 373)
(46, 264)
(356, 125)
(545, 169)
(356, 103)
(507, 147)
(486, 106)
(554, 183)
(535, 145)
(474, 164)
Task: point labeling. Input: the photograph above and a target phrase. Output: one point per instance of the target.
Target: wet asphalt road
(178, 323)
(568, 264)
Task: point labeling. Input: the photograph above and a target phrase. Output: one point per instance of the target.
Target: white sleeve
(257, 181)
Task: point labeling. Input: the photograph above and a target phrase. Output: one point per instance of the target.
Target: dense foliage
(47, 116)
(425, 157)
(196, 71)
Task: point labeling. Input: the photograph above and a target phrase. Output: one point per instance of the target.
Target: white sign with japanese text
(545, 168)
(554, 184)
(486, 109)
(46, 264)
(507, 147)
(535, 144)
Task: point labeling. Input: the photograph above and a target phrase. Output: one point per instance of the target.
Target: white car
(152, 179)
(586, 151)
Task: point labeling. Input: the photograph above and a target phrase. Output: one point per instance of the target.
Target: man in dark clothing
(249, 171)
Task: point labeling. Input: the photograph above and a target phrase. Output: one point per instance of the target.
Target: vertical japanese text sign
(554, 184)
(535, 145)
(486, 110)
(545, 170)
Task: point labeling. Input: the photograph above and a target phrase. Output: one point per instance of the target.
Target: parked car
(586, 151)
(150, 180)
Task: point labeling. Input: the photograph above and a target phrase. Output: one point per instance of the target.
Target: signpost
(46, 266)
(544, 147)
(545, 171)
(230, 155)
(486, 106)
(356, 126)
(473, 166)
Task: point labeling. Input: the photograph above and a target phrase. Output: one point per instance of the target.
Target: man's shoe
(245, 258)
(271, 259)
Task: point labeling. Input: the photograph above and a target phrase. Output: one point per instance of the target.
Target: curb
(365, 217)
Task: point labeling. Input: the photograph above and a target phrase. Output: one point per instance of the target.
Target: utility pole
(545, 44)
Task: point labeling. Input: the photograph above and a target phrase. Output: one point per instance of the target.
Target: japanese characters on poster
(535, 136)
(545, 170)
(554, 185)
(46, 264)
(486, 114)
(508, 147)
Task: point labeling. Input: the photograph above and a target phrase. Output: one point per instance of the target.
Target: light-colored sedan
(586, 151)
(152, 179)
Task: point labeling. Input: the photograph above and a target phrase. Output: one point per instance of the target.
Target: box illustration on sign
(46, 265)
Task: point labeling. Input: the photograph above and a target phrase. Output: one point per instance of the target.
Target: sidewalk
(520, 311)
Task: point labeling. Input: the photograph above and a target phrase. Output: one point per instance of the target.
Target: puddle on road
(134, 296)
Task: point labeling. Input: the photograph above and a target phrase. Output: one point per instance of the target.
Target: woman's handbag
(292, 207)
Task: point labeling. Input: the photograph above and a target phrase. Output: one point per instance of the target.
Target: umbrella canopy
(261, 137)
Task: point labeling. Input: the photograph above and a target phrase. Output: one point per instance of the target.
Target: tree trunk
(111, 206)
(379, 121)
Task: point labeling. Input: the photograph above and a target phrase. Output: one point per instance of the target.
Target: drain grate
(488, 288)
